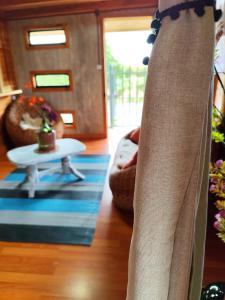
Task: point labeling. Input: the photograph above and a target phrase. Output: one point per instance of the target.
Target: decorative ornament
(146, 61)
(151, 39)
(217, 14)
(174, 13)
(213, 291)
(199, 8)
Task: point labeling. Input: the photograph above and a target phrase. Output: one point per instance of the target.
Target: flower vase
(46, 139)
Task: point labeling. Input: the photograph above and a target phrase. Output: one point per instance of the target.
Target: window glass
(52, 80)
(68, 118)
(47, 37)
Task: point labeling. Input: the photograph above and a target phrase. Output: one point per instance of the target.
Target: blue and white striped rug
(64, 209)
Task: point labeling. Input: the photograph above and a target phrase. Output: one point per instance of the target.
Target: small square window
(49, 37)
(51, 80)
(68, 118)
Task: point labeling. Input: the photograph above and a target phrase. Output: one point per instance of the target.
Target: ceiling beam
(7, 5)
(85, 7)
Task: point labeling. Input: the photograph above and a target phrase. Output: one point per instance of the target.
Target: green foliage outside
(126, 82)
(52, 80)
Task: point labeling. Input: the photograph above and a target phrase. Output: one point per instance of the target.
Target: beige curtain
(172, 172)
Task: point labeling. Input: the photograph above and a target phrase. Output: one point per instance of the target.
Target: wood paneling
(219, 98)
(7, 78)
(60, 8)
(134, 12)
(127, 24)
(85, 136)
(4, 102)
(82, 58)
(22, 4)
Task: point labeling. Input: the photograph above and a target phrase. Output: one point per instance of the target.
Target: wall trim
(51, 89)
(26, 30)
(86, 136)
(68, 9)
(73, 113)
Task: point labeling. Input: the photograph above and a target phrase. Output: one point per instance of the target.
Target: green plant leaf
(217, 137)
(221, 235)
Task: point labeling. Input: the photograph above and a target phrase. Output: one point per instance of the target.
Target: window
(68, 118)
(51, 80)
(48, 37)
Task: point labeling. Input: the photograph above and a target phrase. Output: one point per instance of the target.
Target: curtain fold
(173, 161)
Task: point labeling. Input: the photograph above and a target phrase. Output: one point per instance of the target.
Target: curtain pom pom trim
(174, 13)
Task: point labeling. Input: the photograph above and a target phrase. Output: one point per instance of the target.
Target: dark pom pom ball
(199, 9)
(174, 14)
(146, 61)
(151, 39)
(217, 14)
(155, 24)
(157, 14)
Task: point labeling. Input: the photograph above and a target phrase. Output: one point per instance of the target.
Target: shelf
(11, 93)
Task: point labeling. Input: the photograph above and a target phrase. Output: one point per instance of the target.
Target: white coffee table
(28, 157)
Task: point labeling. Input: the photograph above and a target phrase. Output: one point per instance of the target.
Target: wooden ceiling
(17, 9)
(25, 4)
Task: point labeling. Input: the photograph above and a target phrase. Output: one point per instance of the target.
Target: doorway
(125, 75)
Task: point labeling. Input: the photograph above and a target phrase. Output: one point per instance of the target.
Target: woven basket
(122, 185)
(17, 135)
(122, 181)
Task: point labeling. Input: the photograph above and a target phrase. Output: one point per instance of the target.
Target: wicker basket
(122, 181)
(16, 134)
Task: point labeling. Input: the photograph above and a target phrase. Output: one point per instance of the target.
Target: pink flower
(219, 163)
(222, 214)
(217, 225)
(53, 116)
(213, 180)
(46, 108)
(212, 188)
(217, 216)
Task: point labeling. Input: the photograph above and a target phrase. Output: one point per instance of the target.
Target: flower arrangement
(43, 110)
(47, 117)
(217, 174)
(217, 187)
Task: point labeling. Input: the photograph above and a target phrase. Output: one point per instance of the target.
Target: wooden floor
(99, 272)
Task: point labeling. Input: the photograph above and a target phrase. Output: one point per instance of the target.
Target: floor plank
(62, 272)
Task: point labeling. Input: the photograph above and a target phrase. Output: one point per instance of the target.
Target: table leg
(68, 168)
(30, 180)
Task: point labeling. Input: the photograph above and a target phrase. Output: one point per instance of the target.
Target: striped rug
(64, 209)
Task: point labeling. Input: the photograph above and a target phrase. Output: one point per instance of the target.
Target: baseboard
(86, 136)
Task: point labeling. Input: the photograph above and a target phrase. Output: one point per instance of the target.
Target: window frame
(46, 28)
(51, 88)
(72, 112)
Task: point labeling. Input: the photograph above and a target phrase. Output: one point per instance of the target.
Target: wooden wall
(87, 98)
(7, 78)
(4, 102)
(23, 9)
